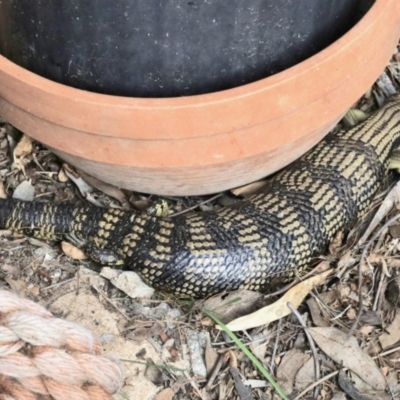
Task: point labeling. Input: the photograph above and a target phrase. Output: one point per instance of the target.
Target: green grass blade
(249, 354)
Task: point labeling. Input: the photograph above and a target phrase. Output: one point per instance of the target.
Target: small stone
(129, 282)
(24, 191)
(196, 354)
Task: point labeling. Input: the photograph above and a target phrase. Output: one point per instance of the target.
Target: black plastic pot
(165, 48)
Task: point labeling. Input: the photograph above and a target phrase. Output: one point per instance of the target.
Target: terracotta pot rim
(210, 142)
(314, 62)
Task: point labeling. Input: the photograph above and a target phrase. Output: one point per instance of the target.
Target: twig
(319, 381)
(78, 281)
(151, 364)
(336, 317)
(40, 258)
(195, 206)
(363, 256)
(110, 302)
(387, 352)
(215, 371)
(58, 284)
(272, 366)
(194, 386)
(379, 290)
(312, 346)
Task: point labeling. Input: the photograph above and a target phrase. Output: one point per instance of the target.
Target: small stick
(110, 302)
(58, 284)
(272, 366)
(215, 371)
(379, 290)
(312, 346)
(194, 386)
(195, 206)
(319, 381)
(363, 256)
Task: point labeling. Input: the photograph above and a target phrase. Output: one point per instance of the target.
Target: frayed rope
(46, 357)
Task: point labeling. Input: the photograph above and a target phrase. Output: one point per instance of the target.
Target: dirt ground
(342, 343)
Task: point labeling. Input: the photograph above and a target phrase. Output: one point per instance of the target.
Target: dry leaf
(146, 330)
(366, 330)
(339, 396)
(342, 349)
(291, 363)
(329, 297)
(142, 204)
(207, 322)
(211, 357)
(392, 292)
(3, 194)
(72, 251)
(346, 260)
(336, 243)
(166, 394)
(33, 291)
(371, 318)
(231, 356)
(11, 269)
(82, 185)
(22, 149)
(347, 386)
(243, 391)
(317, 313)
(106, 188)
(393, 333)
(251, 188)
(351, 314)
(379, 259)
(40, 243)
(259, 343)
(392, 380)
(395, 231)
(305, 375)
(234, 304)
(360, 385)
(279, 309)
(62, 176)
(153, 373)
(359, 390)
(17, 286)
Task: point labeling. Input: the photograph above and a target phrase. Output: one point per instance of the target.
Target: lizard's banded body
(249, 245)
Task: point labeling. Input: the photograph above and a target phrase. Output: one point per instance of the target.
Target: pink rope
(42, 355)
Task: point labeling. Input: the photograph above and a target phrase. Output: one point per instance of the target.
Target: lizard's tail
(41, 220)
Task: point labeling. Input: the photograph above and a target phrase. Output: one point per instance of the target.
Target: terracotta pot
(171, 48)
(205, 143)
